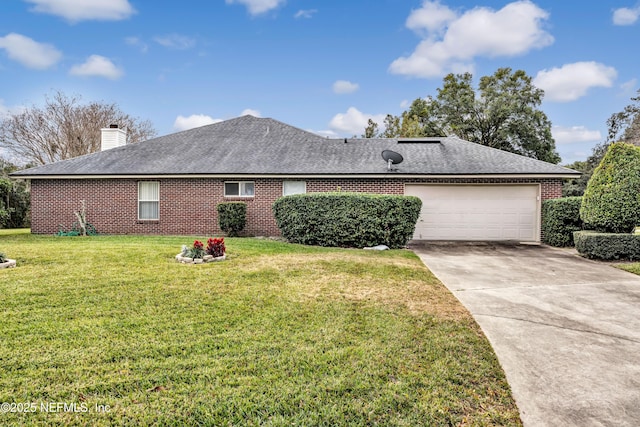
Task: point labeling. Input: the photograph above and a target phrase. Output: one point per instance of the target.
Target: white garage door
(477, 212)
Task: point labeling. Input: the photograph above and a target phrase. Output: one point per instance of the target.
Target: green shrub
(611, 202)
(560, 218)
(607, 246)
(232, 217)
(3, 258)
(347, 219)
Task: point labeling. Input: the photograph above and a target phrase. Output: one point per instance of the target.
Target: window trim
(292, 180)
(140, 200)
(241, 187)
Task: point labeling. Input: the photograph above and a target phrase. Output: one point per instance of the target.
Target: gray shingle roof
(249, 145)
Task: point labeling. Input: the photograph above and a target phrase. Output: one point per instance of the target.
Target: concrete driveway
(565, 329)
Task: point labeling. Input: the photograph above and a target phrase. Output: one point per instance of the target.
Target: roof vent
(419, 141)
(112, 137)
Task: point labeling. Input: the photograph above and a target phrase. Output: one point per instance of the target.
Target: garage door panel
(477, 212)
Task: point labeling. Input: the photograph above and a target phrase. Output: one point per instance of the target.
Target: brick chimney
(112, 137)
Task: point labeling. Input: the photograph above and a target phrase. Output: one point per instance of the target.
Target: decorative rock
(205, 259)
(10, 263)
(378, 248)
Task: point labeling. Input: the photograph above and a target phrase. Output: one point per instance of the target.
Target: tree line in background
(14, 198)
(623, 126)
(63, 128)
(502, 112)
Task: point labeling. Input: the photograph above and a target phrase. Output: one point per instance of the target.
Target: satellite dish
(392, 158)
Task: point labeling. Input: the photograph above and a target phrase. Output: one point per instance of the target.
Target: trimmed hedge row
(607, 246)
(347, 219)
(560, 218)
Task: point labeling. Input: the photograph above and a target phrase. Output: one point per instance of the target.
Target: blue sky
(325, 66)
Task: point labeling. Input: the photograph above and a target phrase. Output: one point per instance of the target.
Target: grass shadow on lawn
(278, 334)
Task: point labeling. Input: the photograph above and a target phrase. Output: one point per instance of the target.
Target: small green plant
(232, 217)
(197, 250)
(3, 257)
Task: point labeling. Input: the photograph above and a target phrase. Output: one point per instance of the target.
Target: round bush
(232, 217)
(611, 202)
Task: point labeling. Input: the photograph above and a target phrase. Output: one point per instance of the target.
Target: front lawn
(633, 267)
(111, 327)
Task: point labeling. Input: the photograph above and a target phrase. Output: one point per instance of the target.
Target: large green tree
(502, 112)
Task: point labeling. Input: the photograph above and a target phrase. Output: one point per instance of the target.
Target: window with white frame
(239, 189)
(293, 187)
(148, 200)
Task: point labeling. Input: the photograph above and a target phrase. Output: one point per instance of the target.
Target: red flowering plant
(215, 247)
(198, 249)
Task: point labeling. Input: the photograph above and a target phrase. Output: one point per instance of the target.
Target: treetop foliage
(623, 126)
(502, 112)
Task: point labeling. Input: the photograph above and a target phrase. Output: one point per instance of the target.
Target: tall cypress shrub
(611, 202)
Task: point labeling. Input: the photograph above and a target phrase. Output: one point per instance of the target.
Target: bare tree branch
(65, 128)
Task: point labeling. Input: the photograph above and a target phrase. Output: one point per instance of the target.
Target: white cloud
(344, 86)
(432, 17)
(136, 42)
(626, 16)
(257, 7)
(175, 41)
(81, 10)
(193, 121)
(451, 41)
(572, 81)
(568, 135)
(353, 122)
(97, 66)
(250, 112)
(197, 120)
(305, 13)
(28, 52)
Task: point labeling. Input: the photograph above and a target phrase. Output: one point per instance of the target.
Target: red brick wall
(188, 206)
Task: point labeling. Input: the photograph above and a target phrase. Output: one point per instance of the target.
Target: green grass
(632, 267)
(277, 334)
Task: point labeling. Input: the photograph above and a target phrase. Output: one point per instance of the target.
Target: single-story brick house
(172, 184)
